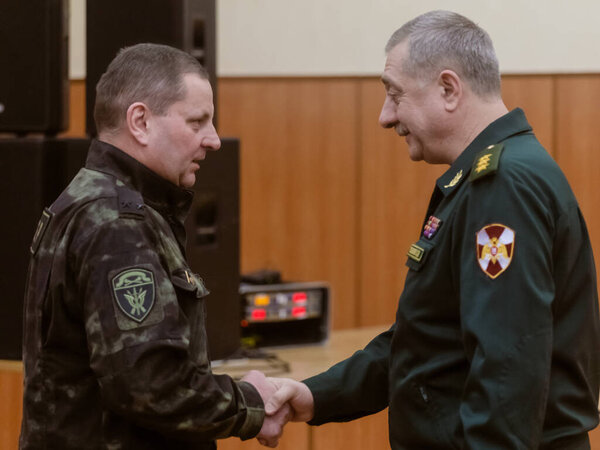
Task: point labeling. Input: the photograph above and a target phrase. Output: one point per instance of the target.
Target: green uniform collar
(506, 126)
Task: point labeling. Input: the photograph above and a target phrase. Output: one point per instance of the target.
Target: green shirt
(496, 341)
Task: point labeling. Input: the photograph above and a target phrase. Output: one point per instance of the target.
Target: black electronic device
(34, 79)
(113, 24)
(285, 314)
(34, 172)
(213, 245)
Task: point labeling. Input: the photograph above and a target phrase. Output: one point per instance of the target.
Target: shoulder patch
(131, 203)
(495, 248)
(486, 162)
(134, 292)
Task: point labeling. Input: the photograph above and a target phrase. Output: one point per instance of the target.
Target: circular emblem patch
(134, 292)
(495, 248)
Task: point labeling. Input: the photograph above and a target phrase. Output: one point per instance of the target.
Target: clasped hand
(285, 400)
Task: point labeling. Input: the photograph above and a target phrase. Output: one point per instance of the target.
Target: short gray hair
(440, 40)
(148, 73)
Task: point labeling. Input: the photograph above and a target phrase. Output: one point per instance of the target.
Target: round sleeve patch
(495, 248)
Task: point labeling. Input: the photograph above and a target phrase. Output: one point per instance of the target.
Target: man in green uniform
(115, 351)
(496, 340)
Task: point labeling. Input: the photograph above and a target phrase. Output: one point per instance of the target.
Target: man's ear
(138, 115)
(452, 89)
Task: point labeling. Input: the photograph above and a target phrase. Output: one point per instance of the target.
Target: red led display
(259, 314)
(299, 311)
(299, 297)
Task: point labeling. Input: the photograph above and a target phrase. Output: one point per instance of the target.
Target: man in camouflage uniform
(115, 350)
(496, 342)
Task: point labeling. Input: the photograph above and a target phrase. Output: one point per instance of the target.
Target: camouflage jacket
(115, 345)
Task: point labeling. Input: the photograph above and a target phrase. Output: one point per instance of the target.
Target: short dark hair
(440, 40)
(149, 73)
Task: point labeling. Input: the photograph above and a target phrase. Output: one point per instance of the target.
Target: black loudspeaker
(34, 79)
(34, 173)
(213, 245)
(113, 24)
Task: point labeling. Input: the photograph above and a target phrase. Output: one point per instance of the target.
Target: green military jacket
(496, 342)
(115, 352)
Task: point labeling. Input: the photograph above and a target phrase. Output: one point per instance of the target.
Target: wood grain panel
(578, 145)
(368, 433)
(299, 182)
(296, 436)
(394, 195)
(595, 438)
(11, 406)
(535, 95)
(76, 109)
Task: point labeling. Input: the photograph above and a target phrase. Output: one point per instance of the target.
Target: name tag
(418, 253)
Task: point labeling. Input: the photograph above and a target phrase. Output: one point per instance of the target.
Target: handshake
(285, 400)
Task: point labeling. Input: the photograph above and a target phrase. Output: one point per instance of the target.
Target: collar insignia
(133, 290)
(455, 180)
(431, 227)
(495, 248)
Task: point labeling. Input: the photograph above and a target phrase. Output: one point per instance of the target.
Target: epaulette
(486, 162)
(131, 203)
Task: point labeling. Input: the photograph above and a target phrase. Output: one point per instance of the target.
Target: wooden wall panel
(296, 436)
(76, 110)
(578, 145)
(367, 433)
(395, 192)
(299, 182)
(11, 406)
(535, 95)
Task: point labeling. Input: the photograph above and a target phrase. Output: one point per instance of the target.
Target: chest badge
(495, 248)
(431, 227)
(133, 290)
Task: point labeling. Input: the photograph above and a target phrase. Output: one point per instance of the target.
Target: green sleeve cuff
(319, 388)
(255, 411)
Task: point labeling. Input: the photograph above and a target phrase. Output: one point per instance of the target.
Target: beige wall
(346, 37)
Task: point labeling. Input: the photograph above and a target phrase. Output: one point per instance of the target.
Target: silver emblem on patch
(134, 292)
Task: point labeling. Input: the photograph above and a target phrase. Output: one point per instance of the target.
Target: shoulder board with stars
(486, 162)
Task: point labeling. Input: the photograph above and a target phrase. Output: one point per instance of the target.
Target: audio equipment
(34, 79)
(213, 245)
(275, 315)
(34, 172)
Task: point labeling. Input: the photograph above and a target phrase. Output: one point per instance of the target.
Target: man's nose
(387, 117)
(212, 140)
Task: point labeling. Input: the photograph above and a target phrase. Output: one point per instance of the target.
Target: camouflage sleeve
(143, 313)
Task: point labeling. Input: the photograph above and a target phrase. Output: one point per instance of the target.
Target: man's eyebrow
(201, 116)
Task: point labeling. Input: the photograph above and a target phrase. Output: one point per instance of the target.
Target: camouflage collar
(160, 194)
